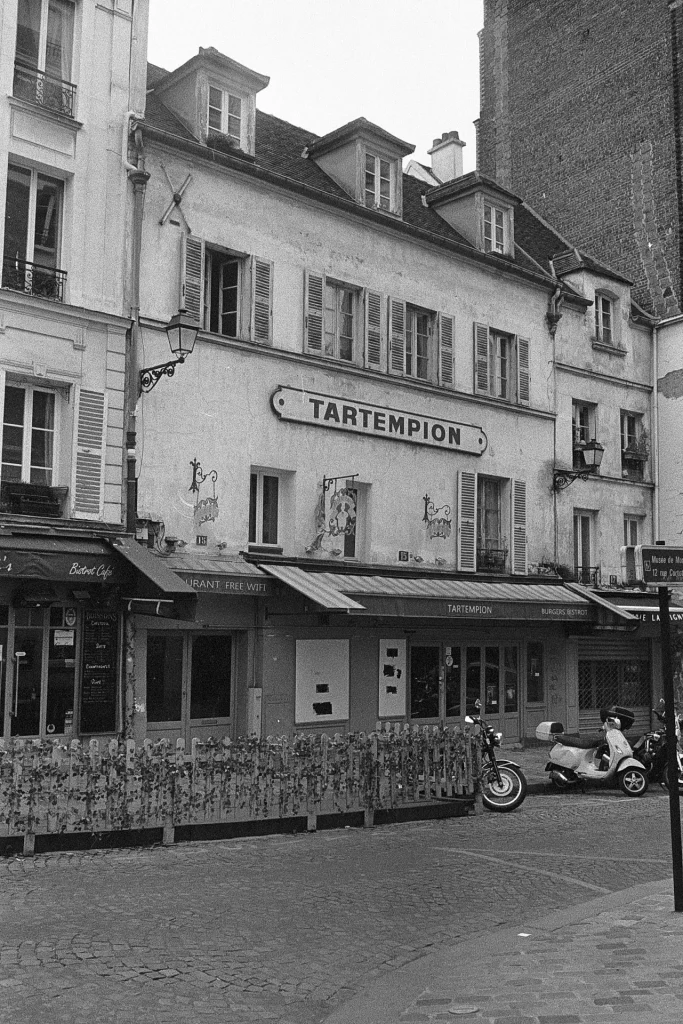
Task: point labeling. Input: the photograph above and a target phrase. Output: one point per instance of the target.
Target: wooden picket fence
(47, 787)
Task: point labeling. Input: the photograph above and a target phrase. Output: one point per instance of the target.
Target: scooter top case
(625, 716)
(548, 730)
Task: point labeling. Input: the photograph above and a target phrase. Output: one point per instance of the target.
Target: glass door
(189, 685)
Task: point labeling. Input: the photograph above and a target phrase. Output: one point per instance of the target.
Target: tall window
(631, 530)
(420, 343)
(378, 182)
(33, 218)
(28, 435)
(340, 320)
(43, 64)
(604, 319)
(491, 550)
(501, 365)
(583, 429)
(264, 508)
(583, 528)
(494, 229)
(635, 447)
(225, 114)
(222, 290)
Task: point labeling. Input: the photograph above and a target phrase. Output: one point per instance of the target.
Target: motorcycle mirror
(469, 720)
(477, 703)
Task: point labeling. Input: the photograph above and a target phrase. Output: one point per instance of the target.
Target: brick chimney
(446, 154)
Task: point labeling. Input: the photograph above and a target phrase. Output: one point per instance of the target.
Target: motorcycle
(575, 761)
(503, 782)
(651, 749)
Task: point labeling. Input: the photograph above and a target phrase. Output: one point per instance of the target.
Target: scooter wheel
(665, 779)
(633, 781)
(507, 794)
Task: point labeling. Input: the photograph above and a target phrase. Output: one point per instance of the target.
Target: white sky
(410, 66)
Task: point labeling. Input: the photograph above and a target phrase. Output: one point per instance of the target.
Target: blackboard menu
(98, 682)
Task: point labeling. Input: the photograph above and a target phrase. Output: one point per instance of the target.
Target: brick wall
(577, 115)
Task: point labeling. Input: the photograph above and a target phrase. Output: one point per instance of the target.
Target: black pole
(671, 747)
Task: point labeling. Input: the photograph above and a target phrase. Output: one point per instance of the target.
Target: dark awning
(72, 560)
(152, 568)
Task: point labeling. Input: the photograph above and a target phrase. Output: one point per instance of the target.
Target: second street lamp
(182, 332)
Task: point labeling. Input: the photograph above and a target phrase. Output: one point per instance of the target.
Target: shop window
(425, 669)
(164, 677)
(33, 227)
(603, 683)
(535, 690)
(210, 678)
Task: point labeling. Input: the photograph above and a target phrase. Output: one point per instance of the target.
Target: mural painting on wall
(206, 509)
(335, 515)
(438, 523)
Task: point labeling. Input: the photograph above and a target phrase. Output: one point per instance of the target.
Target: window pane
(422, 346)
(534, 673)
(452, 674)
(229, 297)
(28, 32)
(59, 39)
(211, 672)
(511, 681)
(492, 681)
(164, 677)
(215, 109)
(270, 503)
(26, 722)
(235, 106)
(61, 676)
(472, 678)
(48, 217)
(42, 438)
(424, 682)
(16, 214)
(345, 324)
(13, 433)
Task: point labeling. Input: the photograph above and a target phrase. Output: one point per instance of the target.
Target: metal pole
(671, 745)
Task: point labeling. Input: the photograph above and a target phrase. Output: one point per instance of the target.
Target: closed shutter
(89, 451)
(446, 331)
(467, 521)
(192, 276)
(523, 371)
(519, 562)
(481, 359)
(397, 327)
(374, 355)
(261, 300)
(314, 287)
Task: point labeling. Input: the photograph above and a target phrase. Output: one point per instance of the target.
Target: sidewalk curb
(387, 998)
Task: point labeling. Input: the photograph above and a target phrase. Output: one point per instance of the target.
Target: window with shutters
(492, 531)
(501, 365)
(340, 321)
(227, 292)
(491, 544)
(421, 343)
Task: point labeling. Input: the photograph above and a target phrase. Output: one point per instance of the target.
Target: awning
(152, 568)
(220, 575)
(436, 597)
(650, 613)
(74, 560)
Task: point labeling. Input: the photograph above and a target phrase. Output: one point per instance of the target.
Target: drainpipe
(138, 177)
(655, 433)
(553, 317)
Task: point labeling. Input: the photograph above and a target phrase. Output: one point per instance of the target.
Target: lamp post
(592, 453)
(182, 332)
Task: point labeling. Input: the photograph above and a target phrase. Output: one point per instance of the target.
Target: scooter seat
(573, 740)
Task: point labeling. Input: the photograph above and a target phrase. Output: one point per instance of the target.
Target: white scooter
(573, 763)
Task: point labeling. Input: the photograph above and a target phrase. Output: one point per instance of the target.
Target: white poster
(392, 678)
(322, 681)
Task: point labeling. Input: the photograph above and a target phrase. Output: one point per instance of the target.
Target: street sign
(659, 566)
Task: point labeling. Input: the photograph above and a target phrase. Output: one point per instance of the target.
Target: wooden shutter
(314, 288)
(467, 521)
(261, 300)
(523, 371)
(89, 451)
(446, 331)
(374, 354)
(192, 276)
(397, 328)
(519, 561)
(481, 359)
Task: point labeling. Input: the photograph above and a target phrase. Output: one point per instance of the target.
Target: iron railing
(45, 90)
(589, 575)
(33, 279)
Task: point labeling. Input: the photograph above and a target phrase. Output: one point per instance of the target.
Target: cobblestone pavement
(287, 928)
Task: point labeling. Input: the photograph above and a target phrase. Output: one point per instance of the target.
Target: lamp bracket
(562, 478)
(151, 375)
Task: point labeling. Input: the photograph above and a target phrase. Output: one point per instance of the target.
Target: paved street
(288, 928)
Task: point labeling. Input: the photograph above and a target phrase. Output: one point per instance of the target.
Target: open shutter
(467, 521)
(523, 371)
(261, 300)
(519, 564)
(192, 276)
(481, 359)
(89, 450)
(314, 287)
(446, 331)
(374, 347)
(397, 328)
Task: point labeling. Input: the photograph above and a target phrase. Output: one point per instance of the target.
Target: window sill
(46, 113)
(264, 549)
(613, 350)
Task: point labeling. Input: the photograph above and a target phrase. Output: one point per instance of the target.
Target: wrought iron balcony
(491, 559)
(33, 279)
(589, 575)
(44, 90)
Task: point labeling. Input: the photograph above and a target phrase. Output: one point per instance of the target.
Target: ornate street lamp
(182, 332)
(592, 453)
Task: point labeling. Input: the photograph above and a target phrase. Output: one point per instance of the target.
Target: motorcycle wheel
(633, 781)
(665, 779)
(507, 794)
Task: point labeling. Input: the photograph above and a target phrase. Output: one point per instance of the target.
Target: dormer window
(494, 229)
(604, 319)
(225, 114)
(378, 182)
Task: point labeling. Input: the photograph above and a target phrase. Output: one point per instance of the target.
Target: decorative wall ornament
(205, 509)
(436, 519)
(336, 518)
